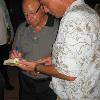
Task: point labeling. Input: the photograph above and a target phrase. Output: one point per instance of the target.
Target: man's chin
(33, 26)
(57, 16)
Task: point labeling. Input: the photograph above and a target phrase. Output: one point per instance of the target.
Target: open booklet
(11, 62)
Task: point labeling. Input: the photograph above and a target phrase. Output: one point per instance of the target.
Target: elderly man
(34, 38)
(76, 50)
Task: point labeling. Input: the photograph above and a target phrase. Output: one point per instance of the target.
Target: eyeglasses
(32, 12)
(38, 9)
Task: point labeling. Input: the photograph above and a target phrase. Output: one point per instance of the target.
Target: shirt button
(35, 38)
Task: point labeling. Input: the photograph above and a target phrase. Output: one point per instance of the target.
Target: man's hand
(34, 67)
(15, 54)
(28, 66)
(46, 61)
(50, 70)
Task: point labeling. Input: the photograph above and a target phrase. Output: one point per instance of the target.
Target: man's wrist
(38, 67)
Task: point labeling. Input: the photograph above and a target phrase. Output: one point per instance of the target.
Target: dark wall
(92, 3)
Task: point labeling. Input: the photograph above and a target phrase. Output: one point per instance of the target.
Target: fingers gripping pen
(18, 50)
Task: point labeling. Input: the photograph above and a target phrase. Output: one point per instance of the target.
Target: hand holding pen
(19, 53)
(15, 53)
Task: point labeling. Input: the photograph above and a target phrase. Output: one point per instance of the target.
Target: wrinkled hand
(15, 54)
(70, 78)
(28, 66)
(45, 61)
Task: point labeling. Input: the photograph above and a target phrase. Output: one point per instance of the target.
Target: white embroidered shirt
(76, 53)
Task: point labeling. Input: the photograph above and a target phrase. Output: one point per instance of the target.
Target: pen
(17, 49)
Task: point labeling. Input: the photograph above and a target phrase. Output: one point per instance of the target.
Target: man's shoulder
(82, 10)
(22, 25)
(80, 13)
(1, 10)
(21, 28)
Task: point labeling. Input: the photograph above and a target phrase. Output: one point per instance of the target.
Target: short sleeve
(76, 44)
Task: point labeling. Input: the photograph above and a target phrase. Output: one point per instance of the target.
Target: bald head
(30, 4)
(56, 7)
(34, 13)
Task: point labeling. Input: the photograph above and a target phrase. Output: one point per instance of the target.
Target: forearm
(50, 70)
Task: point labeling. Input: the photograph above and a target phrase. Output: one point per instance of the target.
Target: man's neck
(42, 23)
(68, 3)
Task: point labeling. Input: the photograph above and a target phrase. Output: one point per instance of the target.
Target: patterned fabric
(76, 53)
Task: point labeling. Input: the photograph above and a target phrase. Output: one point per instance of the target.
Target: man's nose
(28, 19)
